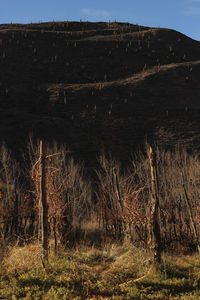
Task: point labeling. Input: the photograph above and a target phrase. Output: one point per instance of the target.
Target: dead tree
(43, 204)
(190, 213)
(154, 214)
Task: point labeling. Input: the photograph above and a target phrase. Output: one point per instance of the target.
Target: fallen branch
(140, 278)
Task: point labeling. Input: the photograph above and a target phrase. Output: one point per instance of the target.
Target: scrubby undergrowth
(99, 231)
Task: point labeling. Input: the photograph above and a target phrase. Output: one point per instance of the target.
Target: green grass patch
(89, 273)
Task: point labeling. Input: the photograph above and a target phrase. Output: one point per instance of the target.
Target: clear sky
(181, 15)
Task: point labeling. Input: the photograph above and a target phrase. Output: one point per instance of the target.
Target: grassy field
(90, 273)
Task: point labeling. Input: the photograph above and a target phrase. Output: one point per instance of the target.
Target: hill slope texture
(98, 85)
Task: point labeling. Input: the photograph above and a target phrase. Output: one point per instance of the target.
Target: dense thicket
(116, 207)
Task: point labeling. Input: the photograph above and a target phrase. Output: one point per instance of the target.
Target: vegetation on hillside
(93, 86)
(99, 230)
(98, 85)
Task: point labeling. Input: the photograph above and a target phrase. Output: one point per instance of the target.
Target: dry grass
(90, 273)
(127, 261)
(21, 259)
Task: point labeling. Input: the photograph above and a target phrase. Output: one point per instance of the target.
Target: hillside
(98, 85)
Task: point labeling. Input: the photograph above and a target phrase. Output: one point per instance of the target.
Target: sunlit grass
(90, 273)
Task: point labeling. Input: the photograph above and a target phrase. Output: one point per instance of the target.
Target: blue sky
(181, 15)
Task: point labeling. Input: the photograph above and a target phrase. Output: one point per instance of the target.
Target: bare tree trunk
(117, 187)
(154, 222)
(55, 234)
(189, 207)
(122, 224)
(180, 220)
(16, 209)
(43, 204)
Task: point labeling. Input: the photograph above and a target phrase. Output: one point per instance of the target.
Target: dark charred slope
(95, 85)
